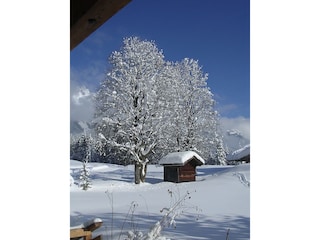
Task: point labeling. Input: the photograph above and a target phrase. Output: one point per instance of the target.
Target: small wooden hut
(181, 166)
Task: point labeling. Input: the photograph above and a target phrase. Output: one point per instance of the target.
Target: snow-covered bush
(84, 176)
(177, 207)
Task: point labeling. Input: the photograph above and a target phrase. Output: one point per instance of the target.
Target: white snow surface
(180, 158)
(86, 224)
(218, 201)
(240, 153)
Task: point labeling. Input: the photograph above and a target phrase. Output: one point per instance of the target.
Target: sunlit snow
(218, 202)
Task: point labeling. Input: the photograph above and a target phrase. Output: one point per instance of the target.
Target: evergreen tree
(79, 147)
(220, 153)
(85, 182)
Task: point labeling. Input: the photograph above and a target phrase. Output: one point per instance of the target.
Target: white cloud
(80, 95)
(81, 101)
(83, 83)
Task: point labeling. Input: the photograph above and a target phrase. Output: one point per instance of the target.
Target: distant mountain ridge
(80, 127)
(234, 142)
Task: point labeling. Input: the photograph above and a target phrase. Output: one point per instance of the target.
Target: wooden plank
(79, 232)
(187, 173)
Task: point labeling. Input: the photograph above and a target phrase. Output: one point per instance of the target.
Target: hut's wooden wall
(176, 174)
(187, 173)
(171, 174)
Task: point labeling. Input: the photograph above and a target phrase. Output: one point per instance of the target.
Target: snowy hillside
(216, 204)
(239, 153)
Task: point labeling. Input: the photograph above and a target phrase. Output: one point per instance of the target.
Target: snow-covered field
(216, 204)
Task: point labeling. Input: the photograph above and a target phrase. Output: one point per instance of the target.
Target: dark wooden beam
(88, 15)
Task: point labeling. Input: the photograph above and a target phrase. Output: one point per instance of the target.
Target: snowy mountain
(79, 127)
(239, 153)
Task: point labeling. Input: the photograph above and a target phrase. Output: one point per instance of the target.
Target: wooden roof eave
(87, 17)
(197, 161)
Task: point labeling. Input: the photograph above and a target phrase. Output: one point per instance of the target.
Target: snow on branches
(147, 106)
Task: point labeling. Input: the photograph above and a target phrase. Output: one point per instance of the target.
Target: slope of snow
(219, 201)
(240, 153)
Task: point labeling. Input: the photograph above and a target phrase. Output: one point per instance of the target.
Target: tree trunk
(140, 172)
(137, 169)
(143, 172)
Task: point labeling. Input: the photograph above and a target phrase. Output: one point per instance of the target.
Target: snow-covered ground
(217, 203)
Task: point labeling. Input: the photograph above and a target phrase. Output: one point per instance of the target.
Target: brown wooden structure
(86, 16)
(84, 231)
(181, 166)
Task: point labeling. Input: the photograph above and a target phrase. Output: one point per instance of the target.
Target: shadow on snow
(187, 226)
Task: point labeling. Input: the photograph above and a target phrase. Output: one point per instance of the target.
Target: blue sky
(215, 32)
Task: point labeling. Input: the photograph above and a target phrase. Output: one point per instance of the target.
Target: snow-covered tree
(127, 116)
(147, 107)
(189, 108)
(84, 178)
(79, 147)
(220, 151)
(85, 182)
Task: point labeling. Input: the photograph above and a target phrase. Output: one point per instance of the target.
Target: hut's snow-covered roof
(240, 153)
(180, 158)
